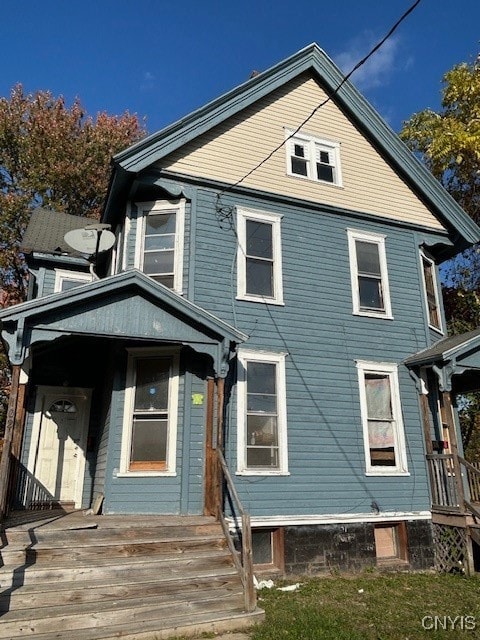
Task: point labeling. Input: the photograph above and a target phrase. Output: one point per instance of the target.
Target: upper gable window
(368, 268)
(314, 159)
(431, 293)
(259, 268)
(160, 241)
(65, 280)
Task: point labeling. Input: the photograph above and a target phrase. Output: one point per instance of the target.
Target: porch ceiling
(127, 305)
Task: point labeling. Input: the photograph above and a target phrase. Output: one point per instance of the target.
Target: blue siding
(322, 338)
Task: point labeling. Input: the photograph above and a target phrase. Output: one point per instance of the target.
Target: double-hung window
(431, 293)
(160, 241)
(262, 420)
(259, 257)
(383, 433)
(313, 158)
(369, 276)
(150, 420)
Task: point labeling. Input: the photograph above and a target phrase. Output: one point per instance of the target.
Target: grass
(373, 607)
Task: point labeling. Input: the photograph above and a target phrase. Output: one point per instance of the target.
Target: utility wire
(322, 104)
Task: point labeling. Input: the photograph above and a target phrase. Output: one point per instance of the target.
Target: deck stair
(87, 577)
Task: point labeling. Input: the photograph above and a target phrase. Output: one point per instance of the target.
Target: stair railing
(472, 473)
(243, 559)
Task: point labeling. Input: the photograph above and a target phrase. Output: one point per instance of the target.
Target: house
(273, 294)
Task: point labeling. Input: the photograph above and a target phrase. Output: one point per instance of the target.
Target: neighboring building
(300, 288)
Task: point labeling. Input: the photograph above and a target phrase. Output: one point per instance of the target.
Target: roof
(128, 305)
(447, 349)
(46, 231)
(311, 59)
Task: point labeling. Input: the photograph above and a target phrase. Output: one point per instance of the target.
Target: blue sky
(161, 59)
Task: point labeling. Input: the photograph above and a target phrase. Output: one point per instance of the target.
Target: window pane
(160, 223)
(70, 283)
(262, 430)
(167, 281)
(160, 242)
(261, 377)
(149, 440)
(324, 172)
(299, 150)
(428, 272)
(370, 292)
(299, 166)
(379, 401)
(259, 277)
(259, 239)
(262, 550)
(368, 259)
(262, 457)
(152, 377)
(324, 157)
(158, 262)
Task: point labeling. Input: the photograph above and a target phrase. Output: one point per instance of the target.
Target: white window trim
(379, 240)
(274, 219)
(312, 142)
(277, 359)
(64, 274)
(439, 329)
(391, 370)
(143, 210)
(173, 389)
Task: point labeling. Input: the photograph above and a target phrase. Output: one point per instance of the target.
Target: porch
(442, 373)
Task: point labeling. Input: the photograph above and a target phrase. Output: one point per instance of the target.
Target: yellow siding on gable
(230, 150)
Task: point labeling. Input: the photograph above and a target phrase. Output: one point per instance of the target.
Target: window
(65, 280)
(383, 434)
(160, 241)
(151, 401)
(268, 550)
(368, 269)
(262, 425)
(390, 543)
(431, 293)
(314, 159)
(259, 258)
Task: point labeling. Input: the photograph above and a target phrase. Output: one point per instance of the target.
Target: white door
(57, 462)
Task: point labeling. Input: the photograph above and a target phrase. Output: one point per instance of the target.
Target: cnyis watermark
(449, 623)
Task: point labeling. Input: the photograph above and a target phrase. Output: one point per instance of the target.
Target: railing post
(247, 561)
(7, 443)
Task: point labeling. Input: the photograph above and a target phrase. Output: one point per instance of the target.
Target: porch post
(10, 424)
(452, 434)
(211, 461)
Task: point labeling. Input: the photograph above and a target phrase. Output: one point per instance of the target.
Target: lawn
(373, 606)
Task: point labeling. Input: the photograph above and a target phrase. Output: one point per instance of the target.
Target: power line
(322, 104)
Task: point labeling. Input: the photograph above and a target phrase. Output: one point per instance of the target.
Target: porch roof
(452, 356)
(127, 305)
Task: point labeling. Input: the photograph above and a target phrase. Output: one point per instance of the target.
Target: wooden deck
(70, 575)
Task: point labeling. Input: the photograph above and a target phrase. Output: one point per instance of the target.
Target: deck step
(209, 622)
(137, 578)
(42, 595)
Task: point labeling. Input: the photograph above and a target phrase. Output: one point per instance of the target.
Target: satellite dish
(92, 239)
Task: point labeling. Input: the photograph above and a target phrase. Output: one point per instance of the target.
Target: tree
(54, 156)
(448, 142)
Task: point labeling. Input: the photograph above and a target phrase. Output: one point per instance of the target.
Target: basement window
(391, 543)
(267, 548)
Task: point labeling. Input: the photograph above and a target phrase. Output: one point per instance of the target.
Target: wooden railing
(243, 559)
(443, 482)
(473, 478)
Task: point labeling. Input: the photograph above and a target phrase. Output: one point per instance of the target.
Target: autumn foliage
(55, 156)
